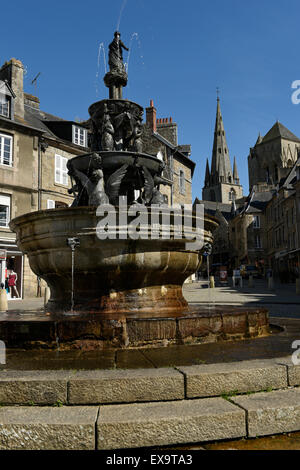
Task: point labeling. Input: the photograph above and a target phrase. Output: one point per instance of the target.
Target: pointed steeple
(221, 171)
(236, 178)
(259, 139)
(207, 174)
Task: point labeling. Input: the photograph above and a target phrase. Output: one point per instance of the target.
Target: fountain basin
(111, 161)
(111, 275)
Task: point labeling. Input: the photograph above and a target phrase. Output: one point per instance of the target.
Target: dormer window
(79, 136)
(4, 106)
(6, 100)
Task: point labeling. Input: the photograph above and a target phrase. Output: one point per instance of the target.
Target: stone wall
(275, 158)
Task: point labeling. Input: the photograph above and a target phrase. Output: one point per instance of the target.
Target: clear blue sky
(182, 51)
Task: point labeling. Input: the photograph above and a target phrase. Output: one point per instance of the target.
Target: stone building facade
(282, 217)
(247, 233)
(32, 167)
(265, 232)
(160, 138)
(272, 157)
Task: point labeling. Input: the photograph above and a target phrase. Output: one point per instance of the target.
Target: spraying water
(120, 15)
(100, 49)
(136, 37)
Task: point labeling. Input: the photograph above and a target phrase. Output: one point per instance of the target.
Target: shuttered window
(5, 149)
(61, 171)
(4, 210)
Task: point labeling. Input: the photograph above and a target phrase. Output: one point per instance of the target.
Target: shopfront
(11, 270)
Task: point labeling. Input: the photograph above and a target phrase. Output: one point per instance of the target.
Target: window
(257, 241)
(5, 149)
(256, 221)
(50, 204)
(181, 182)
(232, 195)
(61, 172)
(79, 136)
(4, 105)
(4, 210)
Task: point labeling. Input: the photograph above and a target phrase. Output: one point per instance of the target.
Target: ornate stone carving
(89, 183)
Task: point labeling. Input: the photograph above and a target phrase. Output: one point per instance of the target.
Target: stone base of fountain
(89, 332)
(127, 293)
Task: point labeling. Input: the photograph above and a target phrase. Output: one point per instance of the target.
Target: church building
(222, 183)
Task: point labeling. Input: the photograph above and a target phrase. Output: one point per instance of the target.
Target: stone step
(98, 387)
(239, 377)
(271, 413)
(36, 387)
(168, 423)
(126, 386)
(47, 428)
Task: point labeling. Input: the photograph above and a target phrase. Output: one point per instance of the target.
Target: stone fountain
(109, 289)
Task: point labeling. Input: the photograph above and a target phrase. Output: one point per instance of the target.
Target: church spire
(221, 171)
(259, 139)
(236, 178)
(207, 174)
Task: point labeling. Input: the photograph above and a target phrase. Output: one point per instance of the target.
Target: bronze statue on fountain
(117, 165)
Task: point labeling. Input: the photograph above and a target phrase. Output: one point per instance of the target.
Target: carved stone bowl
(111, 161)
(111, 275)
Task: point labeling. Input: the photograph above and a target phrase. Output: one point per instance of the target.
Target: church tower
(221, 183)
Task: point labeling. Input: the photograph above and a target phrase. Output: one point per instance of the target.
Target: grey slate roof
(258, 201)
(211, 207)
(35, 118)
(280, 131)
(186, 159)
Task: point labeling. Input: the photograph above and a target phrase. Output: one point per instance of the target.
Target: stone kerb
(145, 407)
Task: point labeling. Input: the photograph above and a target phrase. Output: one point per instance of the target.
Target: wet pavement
(289, 441)
(284, 308)
(278, 344)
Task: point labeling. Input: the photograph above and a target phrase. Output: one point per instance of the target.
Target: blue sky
(181, 52)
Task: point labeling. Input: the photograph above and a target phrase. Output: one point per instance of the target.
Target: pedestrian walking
(12, 281)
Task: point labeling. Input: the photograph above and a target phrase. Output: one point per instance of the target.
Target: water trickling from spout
(72, 286)
(100, 49)
(56, 338)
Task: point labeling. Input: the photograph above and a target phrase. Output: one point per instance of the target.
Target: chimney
(151, 116)
(31, 101)
(13, 72)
